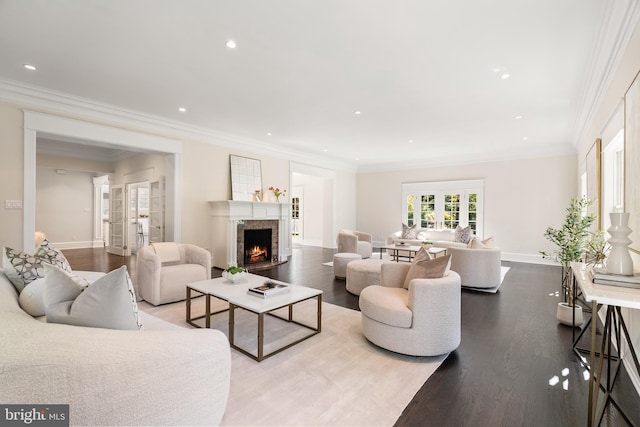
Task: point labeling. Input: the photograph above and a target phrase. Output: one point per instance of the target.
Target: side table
(615, 298)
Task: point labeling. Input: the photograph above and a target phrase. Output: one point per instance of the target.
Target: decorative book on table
(269, 289)
(601, 277)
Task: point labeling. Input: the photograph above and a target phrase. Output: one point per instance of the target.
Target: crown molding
(86, 109)
(542, 151)
(620, 19)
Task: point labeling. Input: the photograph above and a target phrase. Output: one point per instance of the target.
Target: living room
(526, 187)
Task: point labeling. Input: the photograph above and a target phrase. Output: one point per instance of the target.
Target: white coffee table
(236, 295)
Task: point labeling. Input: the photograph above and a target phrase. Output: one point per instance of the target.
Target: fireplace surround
(229, 220)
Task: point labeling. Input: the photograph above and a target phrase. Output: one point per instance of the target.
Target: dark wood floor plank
(512, 346)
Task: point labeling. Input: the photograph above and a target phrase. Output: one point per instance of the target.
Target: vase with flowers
(277, 192)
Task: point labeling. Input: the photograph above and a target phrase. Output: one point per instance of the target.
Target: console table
(615, 298)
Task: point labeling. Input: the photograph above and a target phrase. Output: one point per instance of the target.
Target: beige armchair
(355, 242)
(164, 269)
(423, 320)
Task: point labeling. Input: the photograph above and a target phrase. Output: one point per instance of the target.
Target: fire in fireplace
(257, 246)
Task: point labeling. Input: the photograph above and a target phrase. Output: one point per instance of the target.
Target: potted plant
(234, 273)
(571, 240)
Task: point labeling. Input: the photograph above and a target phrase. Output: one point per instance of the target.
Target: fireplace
(257, 246)
(231, 218)
(257, 242)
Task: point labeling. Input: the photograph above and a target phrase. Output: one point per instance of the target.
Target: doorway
(92, 134)
(138, 217)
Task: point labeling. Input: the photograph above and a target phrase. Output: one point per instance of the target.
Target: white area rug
(335, 378)
(503, 272)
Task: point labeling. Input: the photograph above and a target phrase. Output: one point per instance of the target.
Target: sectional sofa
(162, 374)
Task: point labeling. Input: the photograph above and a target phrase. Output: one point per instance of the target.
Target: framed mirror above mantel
(246, 178)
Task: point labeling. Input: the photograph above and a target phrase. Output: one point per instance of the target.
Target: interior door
(118, 230)
(156, 210)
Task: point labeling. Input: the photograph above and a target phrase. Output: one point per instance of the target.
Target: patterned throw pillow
(22, 268)
(409, 232)
(109, 302)
(463, 235)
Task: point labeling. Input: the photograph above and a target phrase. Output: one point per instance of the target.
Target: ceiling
(426, 76)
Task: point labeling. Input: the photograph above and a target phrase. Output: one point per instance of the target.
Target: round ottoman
(363, 273)
(340, 261)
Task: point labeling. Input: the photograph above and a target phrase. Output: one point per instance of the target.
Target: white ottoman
(363, 273)
(340, 261)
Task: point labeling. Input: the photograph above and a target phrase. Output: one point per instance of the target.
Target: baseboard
(79, 244)
(528, 258)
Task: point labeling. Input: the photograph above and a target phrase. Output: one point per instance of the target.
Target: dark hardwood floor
(514, 367)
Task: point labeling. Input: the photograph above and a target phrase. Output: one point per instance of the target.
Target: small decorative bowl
(234, 278)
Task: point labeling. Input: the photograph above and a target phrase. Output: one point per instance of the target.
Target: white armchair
(423, 320)
(356, 242)
(164, 269)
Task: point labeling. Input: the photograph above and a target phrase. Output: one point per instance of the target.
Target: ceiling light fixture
(325, 150)
(231, 44)
(268, 133)
(30, 67)
(357, 113)
(526, 138)
(411, 140)
(182, 109)
(505, 76)
(518, 117)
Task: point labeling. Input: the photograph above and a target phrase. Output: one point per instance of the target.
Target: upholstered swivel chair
(164, 269)
(356, 242)
(423, 320)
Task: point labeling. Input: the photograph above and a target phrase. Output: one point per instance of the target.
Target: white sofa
(161, 375)
(478, 268)
(440, 238)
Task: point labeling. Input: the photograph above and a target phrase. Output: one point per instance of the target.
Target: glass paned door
(118, 231)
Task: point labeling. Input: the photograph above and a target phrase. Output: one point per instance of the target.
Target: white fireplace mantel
(226, 214)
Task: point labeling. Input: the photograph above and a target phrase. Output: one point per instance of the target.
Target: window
(295, 208)
(444, 204)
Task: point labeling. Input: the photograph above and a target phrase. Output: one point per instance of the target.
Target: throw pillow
(32, 296)
(107, 303)
(22, 268)
(476, 243)
(409, 232)
(427, 268)
(463, 235)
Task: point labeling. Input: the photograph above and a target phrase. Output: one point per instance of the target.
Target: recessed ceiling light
(231, 44)
(526, 138)
(268, 133)
(325, 150)
(505, 76)
(182, 109)
(357, 113)
(30, 67)
(411, 140)
(517, 117)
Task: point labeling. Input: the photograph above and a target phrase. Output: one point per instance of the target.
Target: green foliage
(573, 236)
(234, 269)
(571, 240)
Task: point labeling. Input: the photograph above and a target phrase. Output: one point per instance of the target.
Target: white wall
(522, 198)
(65, 199)
(622, 78)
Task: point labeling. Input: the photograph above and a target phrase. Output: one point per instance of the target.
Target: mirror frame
(246, 177)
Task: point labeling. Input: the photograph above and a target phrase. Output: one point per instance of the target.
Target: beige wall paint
(521, 198)
(11, 174)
